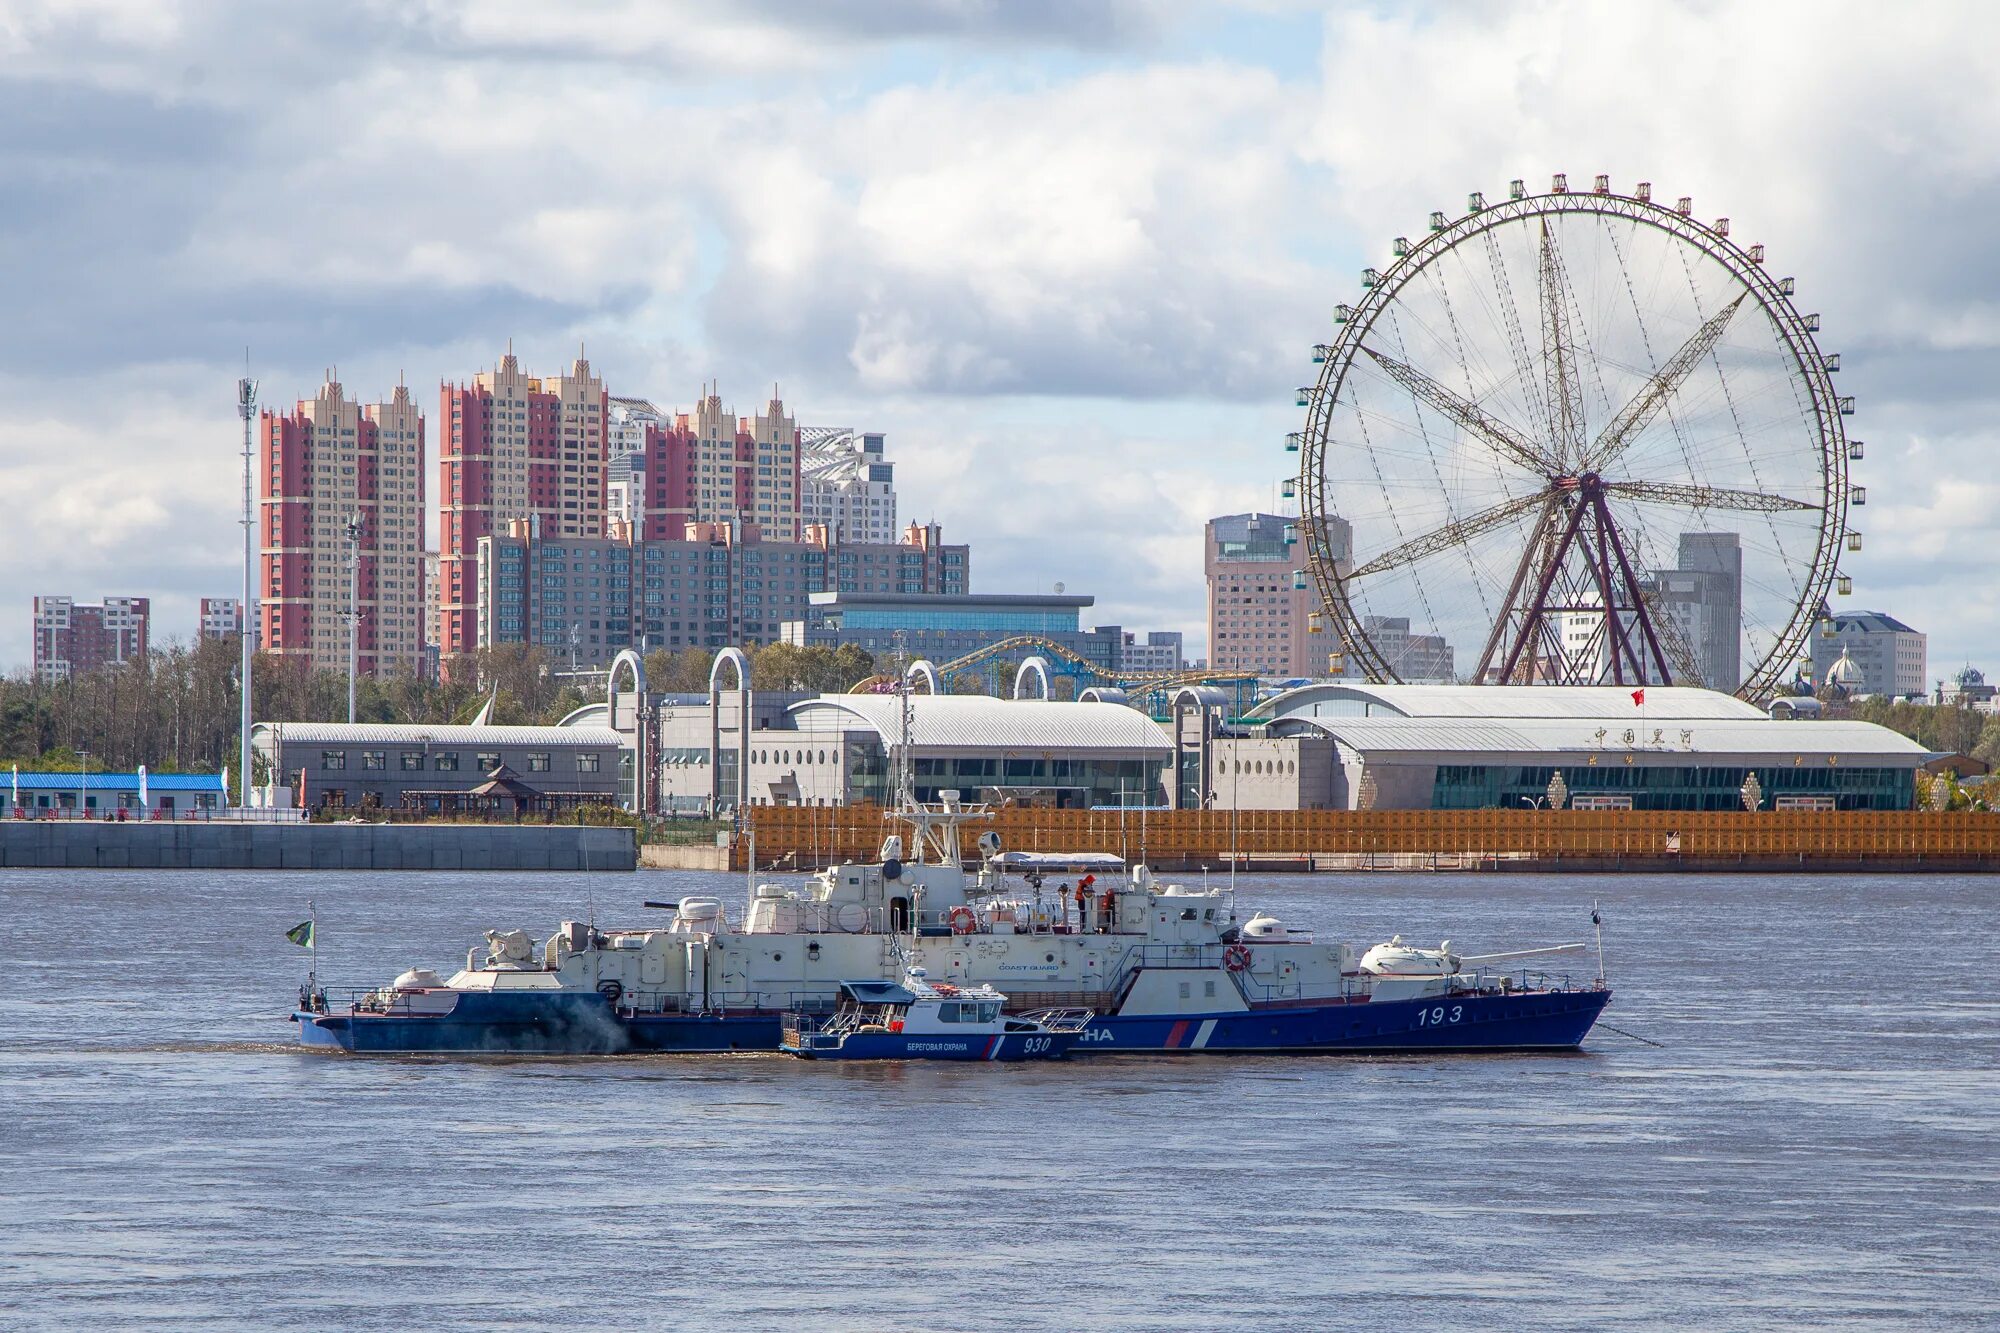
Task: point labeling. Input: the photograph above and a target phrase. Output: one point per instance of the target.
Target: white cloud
(1070, 266)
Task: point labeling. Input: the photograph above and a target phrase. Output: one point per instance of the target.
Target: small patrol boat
(919, 1019)
(585, 991)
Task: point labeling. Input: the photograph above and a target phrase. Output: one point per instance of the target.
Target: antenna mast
(906, 795)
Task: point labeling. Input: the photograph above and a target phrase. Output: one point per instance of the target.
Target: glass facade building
(943, 628)
(1661, 787)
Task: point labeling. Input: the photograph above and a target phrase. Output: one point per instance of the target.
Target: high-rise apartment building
(513, 447)
(1698, 611)
(1263, 617)
(1885, 656)
(221, 617)
(327, 464)
(710, 466)
(73, 637)
(848, 487)
(1416, 659)
(625, 493)
(1709, 583)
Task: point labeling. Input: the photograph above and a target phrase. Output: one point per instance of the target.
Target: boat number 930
(1034, 1045)
(1438, 1015)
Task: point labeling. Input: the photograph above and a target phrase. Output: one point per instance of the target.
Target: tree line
(176, 709)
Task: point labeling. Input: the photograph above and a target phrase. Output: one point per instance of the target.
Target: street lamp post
(246, 407)
(353, 608)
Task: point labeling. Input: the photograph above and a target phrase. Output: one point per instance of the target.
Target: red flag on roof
(1639, 698)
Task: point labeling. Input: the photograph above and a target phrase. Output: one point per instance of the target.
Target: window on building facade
(412, 761)
(538, 763)
(333, 760)
(586, 763)
(447, 763)
(372, 759)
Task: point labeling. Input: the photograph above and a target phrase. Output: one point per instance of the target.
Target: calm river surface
(1817, 1143)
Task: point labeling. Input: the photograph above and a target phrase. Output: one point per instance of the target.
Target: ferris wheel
(1583, 438)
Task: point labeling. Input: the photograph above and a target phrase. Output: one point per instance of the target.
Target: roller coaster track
(1078, 665)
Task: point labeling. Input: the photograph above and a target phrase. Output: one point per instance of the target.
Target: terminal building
(1353, 746)
(1334, 745)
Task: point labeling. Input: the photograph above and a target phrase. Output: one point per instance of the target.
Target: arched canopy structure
(921, 669)
(1103, 694)
(1038, 667)
(1208, 707)
(738, 760)
(626, 714)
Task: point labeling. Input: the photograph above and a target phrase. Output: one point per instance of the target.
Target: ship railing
(1529, 979)
(1025, 1002)
(723, 1002)
(692, 1003)
(937, 922)
(381, 1000)
(1205, 958)
(1070, 1019)
(656, 1002)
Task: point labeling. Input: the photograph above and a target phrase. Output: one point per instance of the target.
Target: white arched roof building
(959, 723)
(826, 749)
(1354, 745)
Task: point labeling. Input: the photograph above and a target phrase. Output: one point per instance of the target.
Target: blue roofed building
(110, 795)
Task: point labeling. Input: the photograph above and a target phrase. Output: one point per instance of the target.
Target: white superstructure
(1128, 947)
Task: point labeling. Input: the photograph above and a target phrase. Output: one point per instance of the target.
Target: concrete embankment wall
(91, 844)
(686, 856)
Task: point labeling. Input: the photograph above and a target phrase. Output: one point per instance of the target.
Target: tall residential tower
(328, 462)
(73, 637)
(513, 446)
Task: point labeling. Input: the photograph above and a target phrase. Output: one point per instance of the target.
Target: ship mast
(906, 794)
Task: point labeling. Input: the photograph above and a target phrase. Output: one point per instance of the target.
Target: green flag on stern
(301, 934)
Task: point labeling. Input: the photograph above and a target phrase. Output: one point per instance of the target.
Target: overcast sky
(1070, 256)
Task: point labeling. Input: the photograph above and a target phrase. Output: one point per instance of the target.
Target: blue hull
(1550, 1020)
(537, 1024)
(584, 1024)
(1003, 1047)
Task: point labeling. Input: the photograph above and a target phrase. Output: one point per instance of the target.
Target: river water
(1816, 1142)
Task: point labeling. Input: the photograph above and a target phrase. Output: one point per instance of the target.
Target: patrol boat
(583, 992)
(917, 1019)
(1160, 967)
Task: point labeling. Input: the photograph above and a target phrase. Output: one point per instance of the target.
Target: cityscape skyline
(1151, 214)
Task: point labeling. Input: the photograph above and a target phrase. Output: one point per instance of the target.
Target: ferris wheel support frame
(1746, 266)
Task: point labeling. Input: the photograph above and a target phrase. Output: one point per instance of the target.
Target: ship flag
(302, 935)
(1639, 698)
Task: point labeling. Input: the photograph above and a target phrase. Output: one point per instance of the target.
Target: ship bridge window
(1187, 914)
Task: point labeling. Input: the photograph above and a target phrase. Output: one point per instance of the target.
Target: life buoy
(611, 990)
(961, 920)
(1236, 958)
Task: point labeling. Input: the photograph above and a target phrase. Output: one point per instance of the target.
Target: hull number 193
(1438, 1015)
